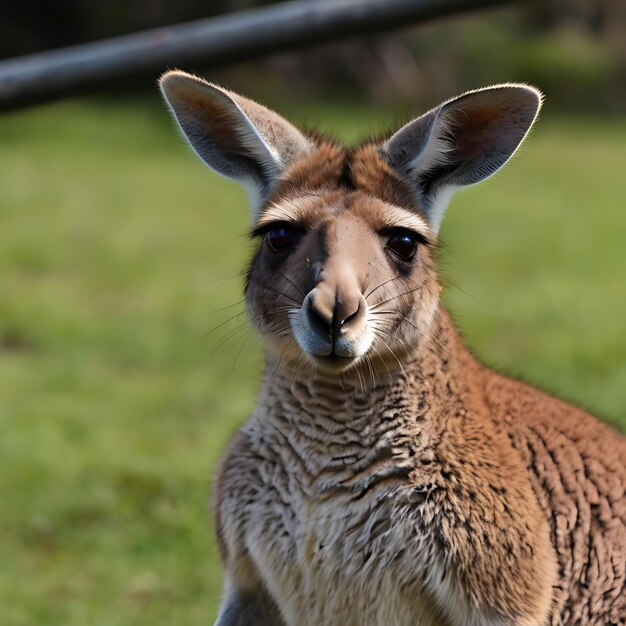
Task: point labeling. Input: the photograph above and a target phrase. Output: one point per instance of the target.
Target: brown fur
(331, 167)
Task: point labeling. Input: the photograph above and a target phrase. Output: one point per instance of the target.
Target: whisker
(237, 330)
(300, 360)
(397, 314)
(234, 317)
(228, 337)
(393, 354)
(228, 306)
(292, 283)
(232, 369)
(230, 319)
(370, 366)
(379, 286)
(382, 360)
(393, 337)
(270, 313)
(358, 373)
(405, 293)
(231, 277)
(469, 295)
(280, 293)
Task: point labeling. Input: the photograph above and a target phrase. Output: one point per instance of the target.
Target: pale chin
(333, 363)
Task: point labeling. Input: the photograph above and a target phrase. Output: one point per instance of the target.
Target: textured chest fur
(331, 560)
(334, 512)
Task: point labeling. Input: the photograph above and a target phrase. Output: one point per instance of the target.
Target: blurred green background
(122, 374)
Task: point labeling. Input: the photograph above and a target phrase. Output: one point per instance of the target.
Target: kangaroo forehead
(313, 210)
(331, 167)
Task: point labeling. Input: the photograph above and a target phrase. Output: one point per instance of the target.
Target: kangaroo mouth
(333, 362)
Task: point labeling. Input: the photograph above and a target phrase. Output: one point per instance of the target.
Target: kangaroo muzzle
(332, 322)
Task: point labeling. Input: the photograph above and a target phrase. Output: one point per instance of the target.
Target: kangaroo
(386, 477)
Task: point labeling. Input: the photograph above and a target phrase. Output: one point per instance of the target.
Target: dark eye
(281, 238)
(404, 244)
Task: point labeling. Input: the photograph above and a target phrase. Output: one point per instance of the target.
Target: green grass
(114, 406)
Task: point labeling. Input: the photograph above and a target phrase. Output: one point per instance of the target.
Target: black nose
(329, 322)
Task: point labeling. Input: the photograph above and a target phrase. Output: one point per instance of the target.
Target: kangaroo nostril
(319, 322)
(351, 318)
(351, 314)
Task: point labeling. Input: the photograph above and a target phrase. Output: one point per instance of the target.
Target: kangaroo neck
(436, 369)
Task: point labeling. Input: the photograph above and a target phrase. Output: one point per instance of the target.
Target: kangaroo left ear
(462, 142)
(234, 136)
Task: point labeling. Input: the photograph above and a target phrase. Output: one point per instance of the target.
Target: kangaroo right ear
(234, 136)
(461, 142)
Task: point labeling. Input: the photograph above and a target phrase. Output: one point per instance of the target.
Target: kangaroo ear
(234, 136)
(462, 142)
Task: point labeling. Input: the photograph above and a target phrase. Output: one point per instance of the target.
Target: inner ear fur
(233, 135)
(462, 142)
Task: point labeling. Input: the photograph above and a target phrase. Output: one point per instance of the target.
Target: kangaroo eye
(403, 244)
(281, 238)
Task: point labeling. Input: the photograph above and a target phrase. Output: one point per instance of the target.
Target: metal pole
(213, 42)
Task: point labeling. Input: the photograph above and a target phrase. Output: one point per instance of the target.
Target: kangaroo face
(343, 273)
(342, 277)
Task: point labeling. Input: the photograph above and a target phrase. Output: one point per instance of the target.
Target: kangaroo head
(343, 272)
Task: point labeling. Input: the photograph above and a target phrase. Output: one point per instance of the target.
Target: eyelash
(390, 231)
(261, 231)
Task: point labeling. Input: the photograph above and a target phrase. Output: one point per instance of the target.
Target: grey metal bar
(213, 42)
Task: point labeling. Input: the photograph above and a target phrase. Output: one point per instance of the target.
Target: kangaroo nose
(336, 319)
(331, 318)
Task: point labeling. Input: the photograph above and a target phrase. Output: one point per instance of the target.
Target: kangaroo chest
(333, 563)
(333, 520)
(347, 548)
